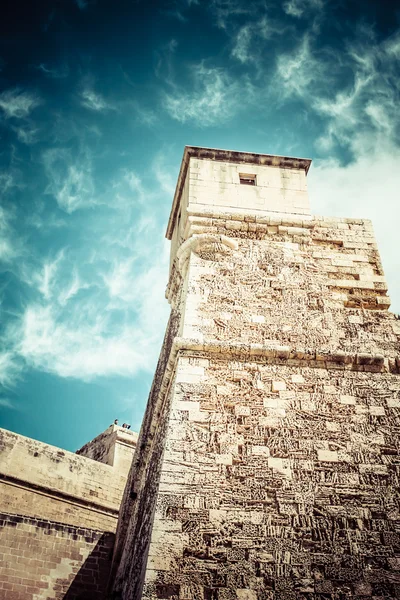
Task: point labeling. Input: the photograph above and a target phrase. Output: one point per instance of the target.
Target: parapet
(114, 447)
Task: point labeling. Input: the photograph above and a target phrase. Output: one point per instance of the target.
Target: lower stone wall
(279, 481)
(43, 560)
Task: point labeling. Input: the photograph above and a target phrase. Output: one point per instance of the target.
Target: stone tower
(268, 461)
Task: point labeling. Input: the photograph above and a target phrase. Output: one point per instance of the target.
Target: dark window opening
(247, 179)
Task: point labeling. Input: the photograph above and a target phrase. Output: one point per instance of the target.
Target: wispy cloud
(301, 73)
(46, 277)
(18, 104)
(246, 42)
(70, 178)
(226, 10)
(28, 134)
(78, 347)
(89, 338)
(10, 368)
(10, 242)
(301, 8)
(72, 288)
(97, 310)
(358, 89)
(215, 97)
(94, 101)
(59, 72)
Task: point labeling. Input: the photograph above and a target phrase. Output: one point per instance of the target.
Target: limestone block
(217, 515)
(345, 399)
(244, 594)
(160, 563)
(257, 318)
(327, 456)
(241, 410)
(393, 402)
(373, 468)
(332, 426)
(260, 451)
(278, 385)
(297, 378)
(355, 319)
(377, 410)
(330, 389)
(239, 375)
(281, 465)
(271, 402)
(223, 459)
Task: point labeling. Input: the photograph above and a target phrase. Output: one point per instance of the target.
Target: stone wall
(43, 481)
(43, 560)
(59, 515)
(280, 480)
(277, 475)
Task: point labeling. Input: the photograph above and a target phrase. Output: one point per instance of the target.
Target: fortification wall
(43, 560)
(59, 515)
(43, 481)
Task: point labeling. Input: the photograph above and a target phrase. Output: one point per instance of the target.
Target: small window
(247, 179)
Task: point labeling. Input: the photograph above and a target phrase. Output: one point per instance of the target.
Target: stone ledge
(311, 357)
(278, 219)
(280, 352)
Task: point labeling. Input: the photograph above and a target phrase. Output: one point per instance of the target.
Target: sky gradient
(97, 101)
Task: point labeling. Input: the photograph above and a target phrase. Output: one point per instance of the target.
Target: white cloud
(297, 8)
(215, 97)
(92, 339)
(300, 73)
(27, 134)
(354, 90)
(246, 42)
(11, 245)
(94, 101)
(98, 309)
(226, 10)
(17, 103)
(10, 368)
(47, 275)
(6, 182)
(72, 288)
(70, 179)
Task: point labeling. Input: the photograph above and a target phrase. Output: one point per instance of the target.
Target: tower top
(228, 156)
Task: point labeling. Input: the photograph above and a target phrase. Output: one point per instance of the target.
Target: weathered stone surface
(46, 560)
(267, 464)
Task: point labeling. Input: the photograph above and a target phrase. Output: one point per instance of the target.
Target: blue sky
(97, 101)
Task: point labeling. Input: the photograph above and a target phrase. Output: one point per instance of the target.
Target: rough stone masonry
(268, 461)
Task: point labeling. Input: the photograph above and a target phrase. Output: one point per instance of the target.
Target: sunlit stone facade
(267, 464)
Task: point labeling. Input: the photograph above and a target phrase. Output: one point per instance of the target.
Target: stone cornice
(275, 353)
